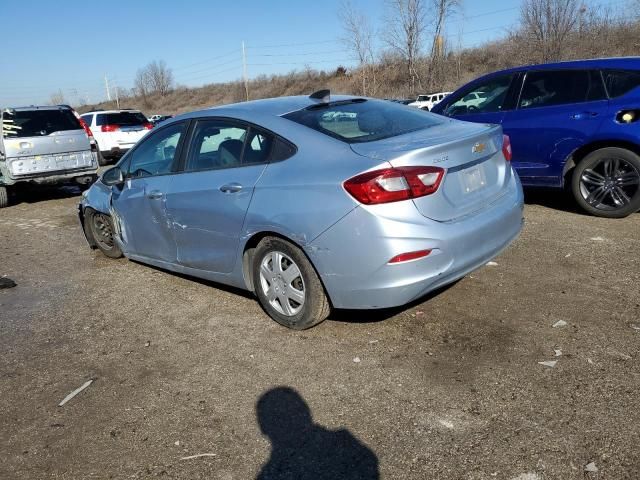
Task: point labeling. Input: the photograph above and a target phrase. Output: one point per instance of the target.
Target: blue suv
(571, 124)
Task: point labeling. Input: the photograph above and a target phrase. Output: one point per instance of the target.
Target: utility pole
(106, 84)
(244, 72)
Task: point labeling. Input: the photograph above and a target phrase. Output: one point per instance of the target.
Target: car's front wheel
(606, 182)
(287, 286)
(100, 227)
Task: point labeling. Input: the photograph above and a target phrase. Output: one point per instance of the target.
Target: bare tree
(160, 77)
(141, 83)
(57, 98)
(443, 10)
(358, 37)
(155, 77)
(405, 28)
(548, 24)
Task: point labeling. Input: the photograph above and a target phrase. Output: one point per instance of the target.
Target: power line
(296, 54)
(294, 44)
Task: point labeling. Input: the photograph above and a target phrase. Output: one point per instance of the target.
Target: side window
(620, 82)
(258, 148)
(222, 144)
(484, 97)
(87, 119)
(560, 87)
(156, 154)
(282, 150)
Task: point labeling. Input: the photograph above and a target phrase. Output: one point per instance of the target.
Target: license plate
(473, 179)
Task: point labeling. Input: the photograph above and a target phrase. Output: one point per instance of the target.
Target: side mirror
(113, 176)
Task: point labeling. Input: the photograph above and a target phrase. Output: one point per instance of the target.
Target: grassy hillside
(601, 37)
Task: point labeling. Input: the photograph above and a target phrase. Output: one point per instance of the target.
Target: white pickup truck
(427, 102)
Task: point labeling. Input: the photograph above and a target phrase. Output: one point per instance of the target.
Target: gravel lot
(447, 388)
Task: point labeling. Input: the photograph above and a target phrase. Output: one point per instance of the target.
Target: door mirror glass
(113, 176)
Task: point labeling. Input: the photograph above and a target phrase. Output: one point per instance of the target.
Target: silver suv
(44, 145)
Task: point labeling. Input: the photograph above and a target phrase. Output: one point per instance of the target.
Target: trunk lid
(476, 173)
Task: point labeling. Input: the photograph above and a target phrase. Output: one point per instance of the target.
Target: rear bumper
(81, 175)
(115, 152)
(351, 257)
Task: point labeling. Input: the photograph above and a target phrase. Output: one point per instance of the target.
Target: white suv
(427, 102)
(116, 131)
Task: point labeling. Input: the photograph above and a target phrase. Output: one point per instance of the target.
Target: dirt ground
(448, 388)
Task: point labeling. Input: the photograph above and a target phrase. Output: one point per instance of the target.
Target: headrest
(372, 122)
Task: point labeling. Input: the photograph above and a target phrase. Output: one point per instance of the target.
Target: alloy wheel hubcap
(610, 185)
(281, 282)
(102, 231)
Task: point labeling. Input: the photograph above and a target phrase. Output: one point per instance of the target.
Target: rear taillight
(506, 148)
(110, 128)
(394, 184)
(148, 126)
(87, 130)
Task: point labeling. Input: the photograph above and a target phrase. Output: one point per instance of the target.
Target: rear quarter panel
(302, 196)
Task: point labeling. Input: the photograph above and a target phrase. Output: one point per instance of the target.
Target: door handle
(155, 195)
(581, 115)
(231, 187)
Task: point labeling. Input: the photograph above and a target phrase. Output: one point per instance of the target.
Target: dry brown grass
(387, 79)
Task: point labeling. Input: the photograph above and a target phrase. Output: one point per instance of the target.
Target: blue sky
(71, 45)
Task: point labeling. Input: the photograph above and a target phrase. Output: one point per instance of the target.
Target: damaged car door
(208, 201)
(139, 205)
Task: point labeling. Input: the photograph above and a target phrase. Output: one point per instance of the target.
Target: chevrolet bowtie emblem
(478, 148)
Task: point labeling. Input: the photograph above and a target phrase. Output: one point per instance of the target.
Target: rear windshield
(122, 119)
(37, 123)
(363, 120)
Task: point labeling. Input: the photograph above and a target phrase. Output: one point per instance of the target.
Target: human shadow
(304, 450)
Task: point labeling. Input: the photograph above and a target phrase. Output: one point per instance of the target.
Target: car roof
(113, 111)
(278, 106)
(614, 62)
(39, 107)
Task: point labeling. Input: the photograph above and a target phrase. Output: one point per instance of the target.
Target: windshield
(37, 123)
(362, 120)
(122, 119)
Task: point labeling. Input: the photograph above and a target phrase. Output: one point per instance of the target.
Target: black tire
(315, 306)
(4, 197)
(99, 227)
(606, 183)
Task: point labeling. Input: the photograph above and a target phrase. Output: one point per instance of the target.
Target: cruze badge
(478, 148)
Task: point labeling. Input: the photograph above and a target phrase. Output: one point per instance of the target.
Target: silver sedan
(311, 202)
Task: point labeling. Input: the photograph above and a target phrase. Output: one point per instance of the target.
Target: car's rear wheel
(100, 226)
(4, 197)
(287, 285)
(606, 183)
